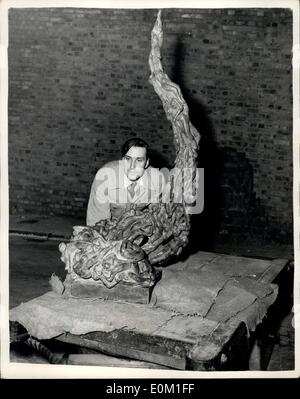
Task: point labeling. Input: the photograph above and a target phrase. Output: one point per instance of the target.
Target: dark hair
(134, 142)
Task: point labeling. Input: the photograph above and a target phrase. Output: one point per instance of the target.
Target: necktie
(131, 190)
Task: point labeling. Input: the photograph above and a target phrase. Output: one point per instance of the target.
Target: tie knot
(131, 189)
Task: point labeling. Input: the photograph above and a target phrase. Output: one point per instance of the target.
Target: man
(130, 180)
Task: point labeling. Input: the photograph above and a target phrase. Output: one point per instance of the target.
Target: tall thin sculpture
(126, 249)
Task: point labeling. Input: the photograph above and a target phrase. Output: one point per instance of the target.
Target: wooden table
(155, 337)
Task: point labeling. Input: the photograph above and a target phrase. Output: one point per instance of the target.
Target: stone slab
(123, 292)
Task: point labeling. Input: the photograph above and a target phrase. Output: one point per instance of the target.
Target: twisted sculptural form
(126, 249)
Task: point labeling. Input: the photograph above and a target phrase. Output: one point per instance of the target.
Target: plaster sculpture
(127, 248)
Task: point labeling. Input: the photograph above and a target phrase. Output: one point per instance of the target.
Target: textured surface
(123, 292)
(237, 297)
(111, 251)
(195, 293)
(28, 280)
(79, 88)
(186, 329)
(188, 292)
(50, 315)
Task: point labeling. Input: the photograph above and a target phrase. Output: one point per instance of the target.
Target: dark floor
(34, 256)
(31, 264)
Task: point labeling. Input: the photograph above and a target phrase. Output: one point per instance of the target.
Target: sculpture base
(121, 291)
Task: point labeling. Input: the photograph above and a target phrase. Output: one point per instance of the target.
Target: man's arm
(98, 205)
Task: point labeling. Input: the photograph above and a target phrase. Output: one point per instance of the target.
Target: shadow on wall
(158, 160)
(231, 209)
(205, 226)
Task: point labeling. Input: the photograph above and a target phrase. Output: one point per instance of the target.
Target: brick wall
(78, 87)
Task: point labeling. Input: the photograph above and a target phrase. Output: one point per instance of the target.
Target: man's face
(135, 163)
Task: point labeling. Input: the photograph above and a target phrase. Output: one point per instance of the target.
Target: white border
(13, 370)
(152, 4)
(296, 177)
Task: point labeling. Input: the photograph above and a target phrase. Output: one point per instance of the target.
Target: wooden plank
(117, 348)
(225, 349)
(171, 340)
(140, 326)
(110, 361)
(276, 266)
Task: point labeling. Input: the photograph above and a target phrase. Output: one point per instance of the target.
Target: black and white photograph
(152, 192)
